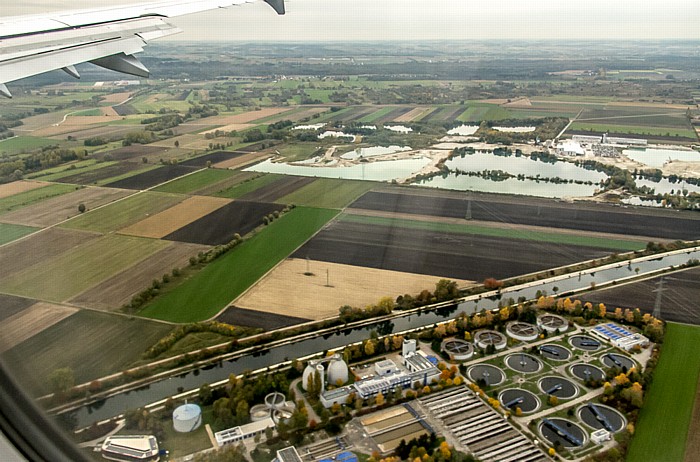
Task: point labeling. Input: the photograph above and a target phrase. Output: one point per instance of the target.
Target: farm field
(678, 303)
(282, 187)
(125, 212)
(248, 158)
(57, 209)
(450, 255)
(11, 305)
(288, 291)
(214, 158)
(219, 226)
(665, 420)
(91, 343)
(9, 232)
(26, 198)
(50, 243)
(18, 143)
(152, 178)
(328, 193)
(112, 293)
(135, 151)
(170, 220)
(653, 131)
(248, 186)
(210, 290)
(237, 177)
(250, 318)
(93, 175)
(196, 181)
(538, 212)
(16, 187)
(460, 226)
(66, 275)
(30, 322)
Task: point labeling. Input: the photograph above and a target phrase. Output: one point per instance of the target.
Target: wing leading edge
(107, 37)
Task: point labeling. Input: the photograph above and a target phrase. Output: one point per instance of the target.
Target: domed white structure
(337, 372)
(309, 371)
(187, 418)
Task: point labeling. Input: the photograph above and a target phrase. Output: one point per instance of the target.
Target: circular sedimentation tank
(560, 387)
(523, 331)
(585, 371)
(259, 412)
(554, 352)
(617, 360)
(491, 375)
(274, 400)
(187, 418)
(585, 343)
(458, 349)
(484, 338)
(517, 397)
(603, 417)
(524, 363)
(551, 323)
(560, 428)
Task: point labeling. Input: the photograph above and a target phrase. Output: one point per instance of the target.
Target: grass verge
(210, 290)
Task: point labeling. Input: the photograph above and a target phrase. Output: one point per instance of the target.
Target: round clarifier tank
(616, 360)
(598, 416)
(558, 386)
(585, 343)
(485, 338)
(458, 349)
(564, 432)
(522, 331)
(586, 371)
(523, 363)
(259, 412)
(486, 373)
(554, 352)
(187, 418)
(552, 323)
(517, 397)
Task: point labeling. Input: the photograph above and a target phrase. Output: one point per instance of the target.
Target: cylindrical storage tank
(187, 418)
(337, 372)
(305, 377)
(321, 375)
(274, 400)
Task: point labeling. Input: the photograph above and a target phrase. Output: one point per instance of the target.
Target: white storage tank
(337, 372)
(309, 371)
(187, 418)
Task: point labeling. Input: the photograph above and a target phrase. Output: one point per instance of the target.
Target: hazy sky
(424, 19)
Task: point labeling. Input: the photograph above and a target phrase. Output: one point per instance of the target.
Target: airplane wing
(107, 37)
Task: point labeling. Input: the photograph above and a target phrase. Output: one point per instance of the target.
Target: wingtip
(4, 91)
(278, 5)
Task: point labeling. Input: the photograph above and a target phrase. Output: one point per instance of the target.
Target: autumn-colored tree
(518, 411)
(492, 284)
(379, 399)
(621, 379)
(467, 335)
(426, 390)
(602, 310)
(369, 347)
(553, 400)
(458, 380)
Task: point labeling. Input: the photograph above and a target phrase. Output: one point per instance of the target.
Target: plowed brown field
(27, 323)
(176, 217)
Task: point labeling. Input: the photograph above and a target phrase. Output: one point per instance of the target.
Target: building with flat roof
(243, 432)
(131, 448)
(288, 454)
(619, 336)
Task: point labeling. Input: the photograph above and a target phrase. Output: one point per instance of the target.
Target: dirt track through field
(28, 323)
(56, 209)
(288, 291)
(16, 187)
(175, 217)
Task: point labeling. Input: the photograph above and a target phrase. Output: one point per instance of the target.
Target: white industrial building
(619, 336)
(570, 148)
(131, 448)
(243, 432)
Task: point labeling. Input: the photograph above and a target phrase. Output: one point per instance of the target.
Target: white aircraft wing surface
(107, 37)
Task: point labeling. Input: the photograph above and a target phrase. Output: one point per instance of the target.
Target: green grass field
(664, 420)
(246, 187)
(294, 152)
(553, 238)
(88, 112)
(210, 290)
(7, 204)
(196, 181)
(9, 233)
(328, 193)
(634, 129)
(24, 143)
(93, 344)
(67, 171)
(371, 117)
(116, 216)
(66, 275)
(480, 112)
